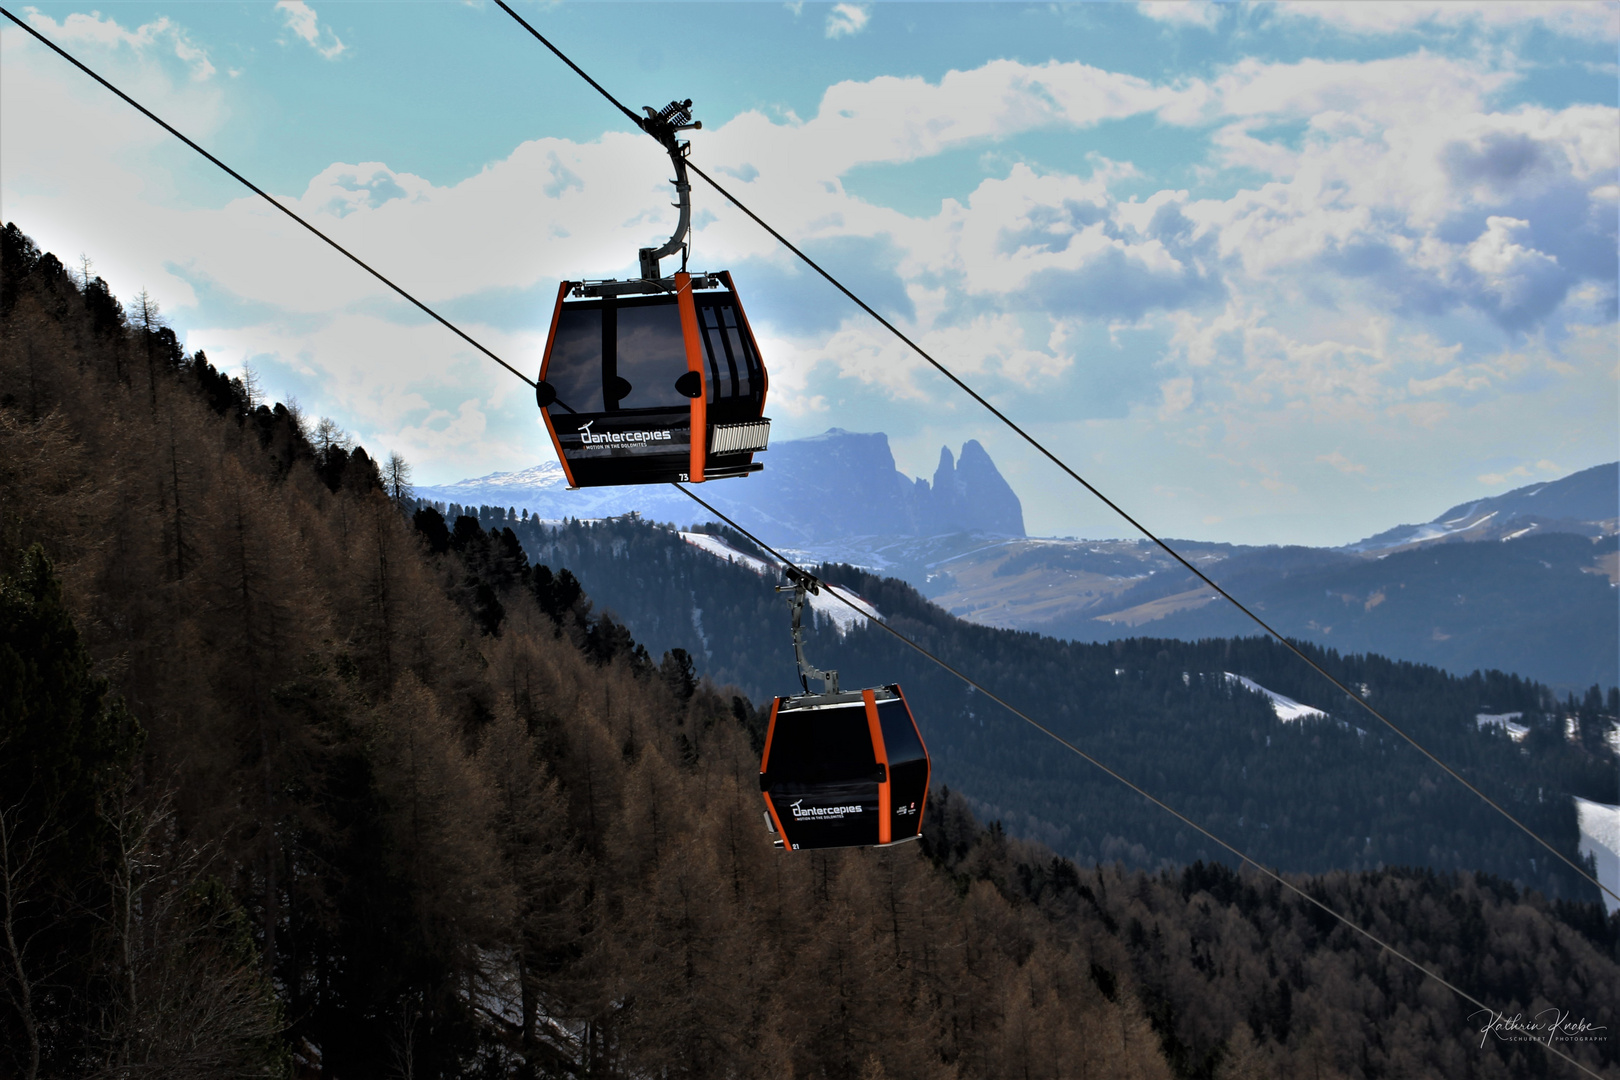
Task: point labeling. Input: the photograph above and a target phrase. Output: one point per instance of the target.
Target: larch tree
(396, 476)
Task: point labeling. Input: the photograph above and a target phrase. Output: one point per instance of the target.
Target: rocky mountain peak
(968, 495)
(813, 490)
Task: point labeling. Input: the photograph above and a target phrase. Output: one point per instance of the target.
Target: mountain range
(1586, 503)
(829, 488)
(1523, 581)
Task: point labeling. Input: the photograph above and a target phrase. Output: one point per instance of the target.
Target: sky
(1263, 273)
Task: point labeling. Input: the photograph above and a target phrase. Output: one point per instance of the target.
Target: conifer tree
(65, 746)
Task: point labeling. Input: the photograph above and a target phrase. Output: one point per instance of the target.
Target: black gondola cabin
(844, 770)
(650, 389)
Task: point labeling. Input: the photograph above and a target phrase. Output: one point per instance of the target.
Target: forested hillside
(293, 783)
(1540, 603)
(1309, 797)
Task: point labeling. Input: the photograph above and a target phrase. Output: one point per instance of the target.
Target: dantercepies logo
(592, 438)
(822, 811)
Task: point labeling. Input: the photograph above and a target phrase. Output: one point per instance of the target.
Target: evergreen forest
(299, 778)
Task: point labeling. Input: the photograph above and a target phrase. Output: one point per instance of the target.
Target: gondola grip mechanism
(802, 583)
(663, 124)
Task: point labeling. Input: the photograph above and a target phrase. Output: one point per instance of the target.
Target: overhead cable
(598, 87)
(1083, 482)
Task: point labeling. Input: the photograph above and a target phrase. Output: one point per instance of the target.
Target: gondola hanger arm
(665, 125)
(800, 583)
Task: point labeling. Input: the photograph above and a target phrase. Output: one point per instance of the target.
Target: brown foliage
(495, 846)
(527, 854)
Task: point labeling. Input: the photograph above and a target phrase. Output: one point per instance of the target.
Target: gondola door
(619, 393)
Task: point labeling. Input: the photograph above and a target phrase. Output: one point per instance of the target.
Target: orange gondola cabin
(649, 389)
(655, 379)
(840, 768)
(844, 770)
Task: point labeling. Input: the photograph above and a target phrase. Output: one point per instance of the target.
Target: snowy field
(828, 607)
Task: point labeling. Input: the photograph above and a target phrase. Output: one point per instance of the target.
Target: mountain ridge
(831, 486)
(1481, 599)
(1148, 705)
(1586, 503)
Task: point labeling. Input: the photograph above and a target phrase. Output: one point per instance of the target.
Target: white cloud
(102, 32)
(1577, 18)
(410, 385)
(892, 119)
(1525, 471)
(111, 178)
(1359, 213)
(300, 19)
(847, 19)
(1382, 91)
(1515, 274)
(1338, 460)
(1202, 13)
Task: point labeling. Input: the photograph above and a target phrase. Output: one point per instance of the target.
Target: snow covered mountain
(1586, 503)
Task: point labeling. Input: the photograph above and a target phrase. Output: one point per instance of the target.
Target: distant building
(1600, 838)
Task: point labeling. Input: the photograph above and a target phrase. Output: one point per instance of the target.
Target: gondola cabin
(653, 381)
(844, 770)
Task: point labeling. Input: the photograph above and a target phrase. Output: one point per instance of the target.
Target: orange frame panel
(765, 760)
(881, 752)
(694, 362)
(545, 363)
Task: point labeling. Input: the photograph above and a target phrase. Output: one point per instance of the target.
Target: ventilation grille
(739, 438)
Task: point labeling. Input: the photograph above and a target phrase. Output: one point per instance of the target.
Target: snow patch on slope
(1516, 732)
(827, 606)
(1600, 838)
(1286, 708)
(830, 607)
(725, 552)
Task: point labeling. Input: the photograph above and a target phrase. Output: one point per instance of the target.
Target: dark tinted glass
(900, 737)
(576, 359)
(733, 367)
(739, 348)
(651, 355)
(714, 350)
(810, 746)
